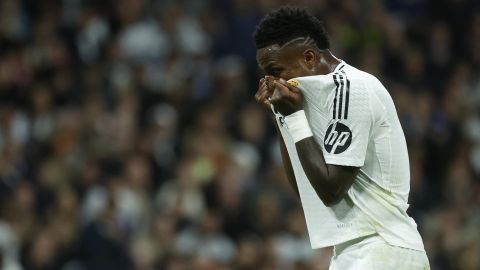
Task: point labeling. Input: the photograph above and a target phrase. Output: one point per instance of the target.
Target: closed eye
(275, 72)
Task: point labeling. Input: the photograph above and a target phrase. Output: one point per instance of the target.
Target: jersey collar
(340, 66)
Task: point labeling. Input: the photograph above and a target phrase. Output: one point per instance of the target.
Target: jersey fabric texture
(353, 118)
(373, 253)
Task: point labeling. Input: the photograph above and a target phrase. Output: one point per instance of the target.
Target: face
(287, 62)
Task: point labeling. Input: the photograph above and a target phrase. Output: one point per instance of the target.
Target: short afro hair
(286, 23)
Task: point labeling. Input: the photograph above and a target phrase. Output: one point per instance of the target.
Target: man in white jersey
(342, 146)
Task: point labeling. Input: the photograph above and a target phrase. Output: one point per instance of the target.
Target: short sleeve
(352, 120)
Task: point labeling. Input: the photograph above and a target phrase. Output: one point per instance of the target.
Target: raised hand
(265, 90)
(286, 98)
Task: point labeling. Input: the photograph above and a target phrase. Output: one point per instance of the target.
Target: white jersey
(354, 120)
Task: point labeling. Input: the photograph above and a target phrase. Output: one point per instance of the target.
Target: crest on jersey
(293, 82)
(337, 138)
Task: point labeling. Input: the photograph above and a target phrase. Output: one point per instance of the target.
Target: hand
(286, 98)
(265, 90)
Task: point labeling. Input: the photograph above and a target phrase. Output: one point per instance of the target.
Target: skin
(281, 63)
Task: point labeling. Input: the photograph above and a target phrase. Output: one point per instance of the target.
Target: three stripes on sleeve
(342, 94)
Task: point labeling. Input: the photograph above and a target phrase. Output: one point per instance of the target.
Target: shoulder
(365, 84)
(360, 77)
(358, 94)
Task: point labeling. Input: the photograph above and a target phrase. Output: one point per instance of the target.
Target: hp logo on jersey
(337, 138)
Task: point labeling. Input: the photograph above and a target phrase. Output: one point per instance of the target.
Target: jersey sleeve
(353, 116)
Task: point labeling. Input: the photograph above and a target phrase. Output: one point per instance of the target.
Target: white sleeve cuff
(297, 126)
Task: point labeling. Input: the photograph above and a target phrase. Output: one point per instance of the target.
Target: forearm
(330, 182)
(316, 170)
(287, 164)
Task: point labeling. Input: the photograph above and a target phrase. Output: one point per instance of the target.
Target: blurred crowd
(130, 139)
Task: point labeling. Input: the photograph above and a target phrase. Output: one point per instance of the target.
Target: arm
(331, 182)
(263, 92)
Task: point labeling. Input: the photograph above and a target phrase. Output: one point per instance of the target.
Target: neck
(327, 63)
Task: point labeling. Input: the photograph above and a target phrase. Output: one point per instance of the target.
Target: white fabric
(364, 132)
(297, 125)
(373, 253)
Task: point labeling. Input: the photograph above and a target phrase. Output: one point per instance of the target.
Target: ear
(310, 57)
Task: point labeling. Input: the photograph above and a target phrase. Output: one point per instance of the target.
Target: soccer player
(342, 146)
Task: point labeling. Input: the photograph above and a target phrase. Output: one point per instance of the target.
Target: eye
(275, 71)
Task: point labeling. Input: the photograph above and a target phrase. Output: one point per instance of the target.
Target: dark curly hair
(286, 23)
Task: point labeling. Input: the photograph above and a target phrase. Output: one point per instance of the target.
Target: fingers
(269, 81)
(272, 90)
(264, 99)
(261, 89)
(263, 93)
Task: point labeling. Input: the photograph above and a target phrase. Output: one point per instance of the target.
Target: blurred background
(130, 139)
